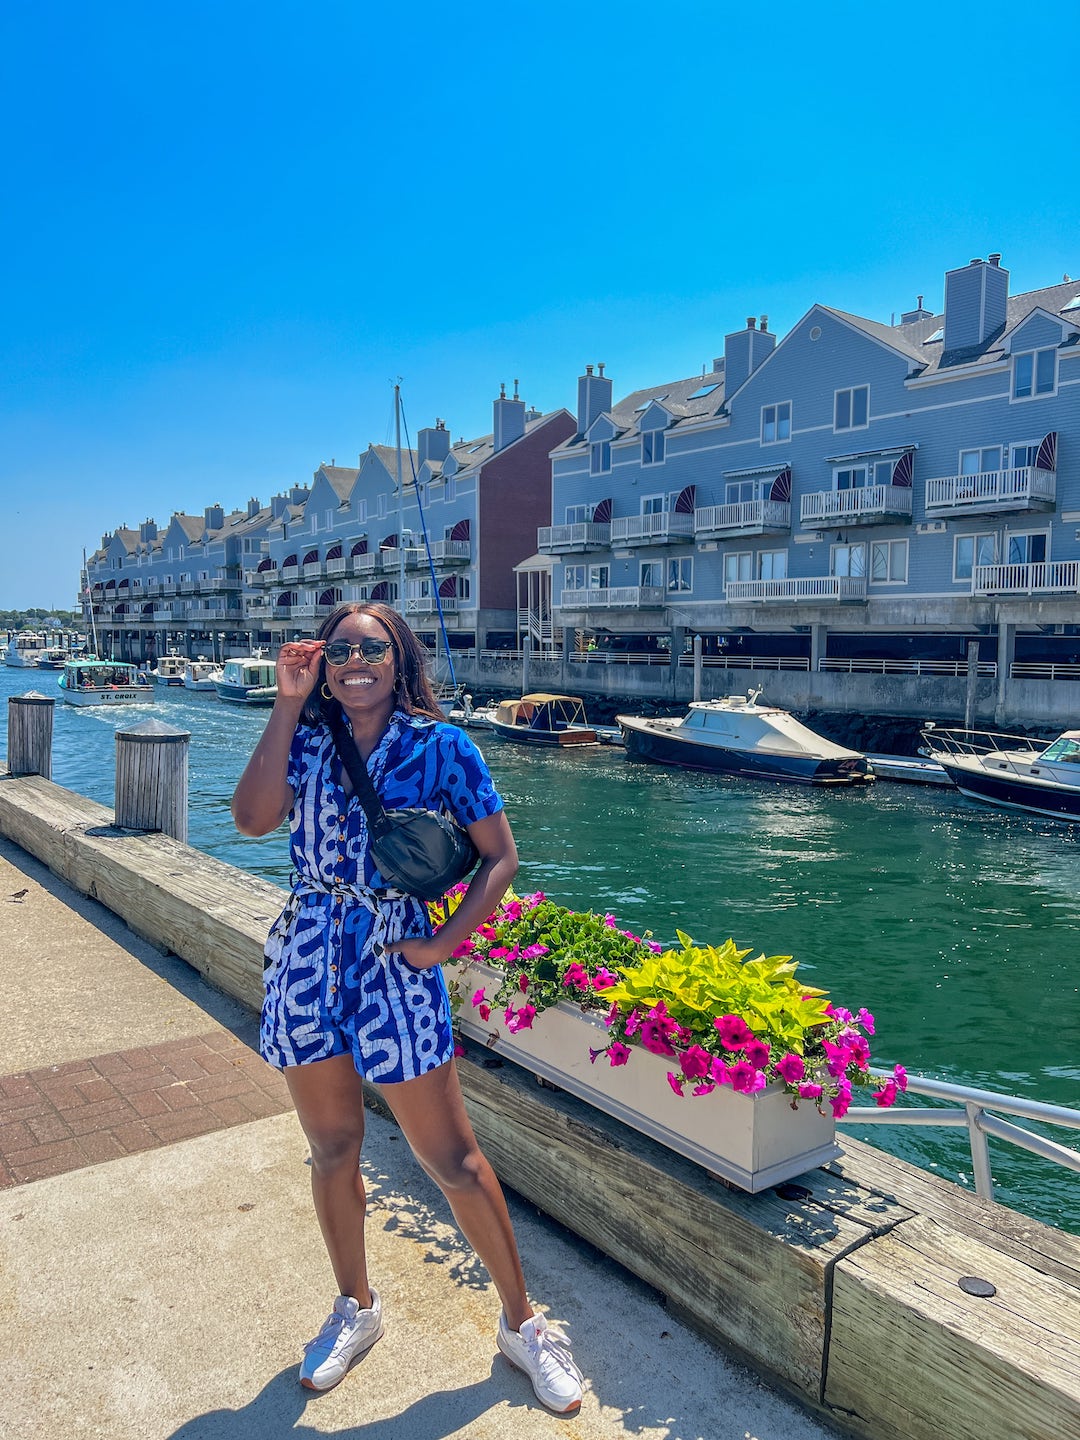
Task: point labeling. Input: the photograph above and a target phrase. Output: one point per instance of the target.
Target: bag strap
(361, 780)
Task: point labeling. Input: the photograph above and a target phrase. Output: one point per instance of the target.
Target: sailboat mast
(400, 501)
(89, 602)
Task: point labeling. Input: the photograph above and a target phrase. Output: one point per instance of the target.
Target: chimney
(253, 508)
(147, 531)
(744, 350)
(433, 443)
(976, 296)
(593, 397)
(213, 517)
(919, 313)
(508, 418)
(278, 505)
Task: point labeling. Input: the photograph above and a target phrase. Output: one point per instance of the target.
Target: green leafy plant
(721, 1018)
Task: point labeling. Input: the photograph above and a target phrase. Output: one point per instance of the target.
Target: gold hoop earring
(325, 691)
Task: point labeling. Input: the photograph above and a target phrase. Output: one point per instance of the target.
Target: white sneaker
(349, 1332)
(544, 1355)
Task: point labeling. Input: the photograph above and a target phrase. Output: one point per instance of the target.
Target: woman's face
(363, 688)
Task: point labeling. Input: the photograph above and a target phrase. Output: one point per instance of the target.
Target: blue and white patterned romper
(328, 991)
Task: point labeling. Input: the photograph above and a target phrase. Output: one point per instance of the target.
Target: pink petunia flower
(900, 1076)
(467, 946)
(704, 1088)
(604, 979)
(791, 1068)
(719, 1071)
(745, 1078)
(611, 1016)
(695, 1062)
(841, 1101)
(523, 983)
(733, 1031)
(479, 997)
(484, 1012)
(618, 1053)
(866, 1020)
(654, 1038)
(675, 1082)
(886, 1096)
(577, 976)
(520, 1019)
(633, 1022)
(459, 1048)
(810, 1091)
(533, 952)
(837, 1057)
(757, 1052)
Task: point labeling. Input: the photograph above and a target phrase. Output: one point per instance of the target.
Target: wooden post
(152, 779)
(972, 683)
(30, 729)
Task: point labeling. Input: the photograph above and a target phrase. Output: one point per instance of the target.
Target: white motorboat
(737, 736)
(1012, 771)
(251, 680)
(104, 682)
(201, 674)
(25, 649)
(169, 669)
(55, 658)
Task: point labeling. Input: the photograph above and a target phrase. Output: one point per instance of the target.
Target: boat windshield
(1065, 749)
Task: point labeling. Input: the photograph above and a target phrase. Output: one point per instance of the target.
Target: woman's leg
(329, 1100)
(431, 1113)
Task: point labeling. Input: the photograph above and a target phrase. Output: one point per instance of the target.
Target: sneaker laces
(329, 1333)
(551, 1347)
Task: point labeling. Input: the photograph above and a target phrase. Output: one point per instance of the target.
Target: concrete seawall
(843, 1288)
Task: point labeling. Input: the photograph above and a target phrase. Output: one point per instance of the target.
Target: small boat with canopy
(552, 720)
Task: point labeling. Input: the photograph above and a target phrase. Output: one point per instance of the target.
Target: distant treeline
(35, 619)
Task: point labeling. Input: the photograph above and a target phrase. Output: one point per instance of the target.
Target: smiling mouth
(359, 680)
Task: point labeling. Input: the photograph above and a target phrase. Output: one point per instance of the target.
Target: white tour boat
(104, 682)
(201, 674)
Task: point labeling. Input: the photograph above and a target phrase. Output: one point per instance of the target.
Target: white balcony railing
(820, 587)
(428, 605)
(628, 596)
(289, 573)
(1047, 577)
(1025, 487)
(313, 570)
(871, 502)
(745, 517)
(666, 527)
(451, 552)
(563, 538)
(336, 567)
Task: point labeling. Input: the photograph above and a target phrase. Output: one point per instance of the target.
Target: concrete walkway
(160, 1264)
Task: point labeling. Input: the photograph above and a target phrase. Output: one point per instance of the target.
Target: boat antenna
(431, 562)
(89, 603)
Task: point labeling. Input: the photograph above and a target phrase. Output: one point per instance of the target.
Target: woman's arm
(262, 799)
(498, 866)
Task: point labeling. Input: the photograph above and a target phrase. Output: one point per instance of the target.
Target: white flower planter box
(753, 1141)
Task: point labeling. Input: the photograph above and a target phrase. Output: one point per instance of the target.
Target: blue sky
(229, 227)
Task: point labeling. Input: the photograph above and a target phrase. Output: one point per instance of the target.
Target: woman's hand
(422, 953)
(298, 669)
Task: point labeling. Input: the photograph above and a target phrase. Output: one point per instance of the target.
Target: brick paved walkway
(62, 1117)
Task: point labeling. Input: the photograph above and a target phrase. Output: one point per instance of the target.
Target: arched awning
(360, 548)
(448, 586)
(781, 486)
(289, 560)
(311, 557)
(334, 553)
(110, 584)
(330, 597)
(684, 504)
(1046, 459)
(389, 542)
(148, 608)
(124, 585)
(380, 591)
(602, 512)
(265, 565)
(460, 531)
(285, 599)
(904, 470)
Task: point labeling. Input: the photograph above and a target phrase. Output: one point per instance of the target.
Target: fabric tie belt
(383, 905)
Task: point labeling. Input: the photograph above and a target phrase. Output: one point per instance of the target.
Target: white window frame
(329, 517)
(599, 576)
(891, 548)
(661, 509)
(755, 487)
(578, 514)
(778, 419)
(743, 560)
(974, 536)
(572, 574)
(600, 457)
(655, 575)
(451, 487)
(863, 469)
(464, 587)
(980, 451)
(1013, 535)
(653, 447)
(850, 547)
(361, 511)
(886, 467)
(1033, 355)
(850, 391)
(771, 557)
(680, 575)
(1030, 445)
(381, 506)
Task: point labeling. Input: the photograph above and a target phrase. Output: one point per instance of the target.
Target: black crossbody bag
(419, 852)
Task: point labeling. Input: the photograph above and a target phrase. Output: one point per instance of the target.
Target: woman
(353, 982)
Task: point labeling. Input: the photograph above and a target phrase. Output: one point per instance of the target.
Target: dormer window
(852, 410)
(652, 447)
(776, 422)
(1034, 373)
(600, 457)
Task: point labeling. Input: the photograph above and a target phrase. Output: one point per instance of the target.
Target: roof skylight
(704, 390)
(938, 334)
(1074, 304)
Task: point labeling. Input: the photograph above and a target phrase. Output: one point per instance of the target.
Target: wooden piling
(152, 779)
(30, 731)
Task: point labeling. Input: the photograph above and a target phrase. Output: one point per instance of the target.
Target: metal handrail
(975, 1115)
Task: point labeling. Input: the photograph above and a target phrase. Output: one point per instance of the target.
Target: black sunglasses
(340, 652)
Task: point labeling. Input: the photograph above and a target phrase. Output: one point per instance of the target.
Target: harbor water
(956, 925)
